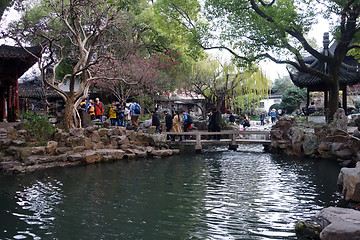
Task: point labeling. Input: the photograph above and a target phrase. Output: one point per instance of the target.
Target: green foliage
(281, 84)
(357, 104)
(237, 87)
(292, 98)
(38, 127)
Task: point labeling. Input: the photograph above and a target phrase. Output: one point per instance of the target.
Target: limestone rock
(12, 134)
(149, 149)
(85, 118)
(123, 140)
(87, 143)
(75, 157)
(20, 143)
(103, 132)
(131, 135)
(89, 130)
(61, 136)
(297, 141)
(7, 165)
(75, 141)
(340, 120)
(122, 131)
(339, 223)
(349, 180)
(113, 154)
(78, 149)
(310, 145)
(147, 123)
(152, 129)
(176, 151)
(114, 131)
(105, 140)
(51, 147)
(356, 133)
(324, 149)
(62, 150)
(162, 153)
(76, 132)
(95, 137)
(91, 157)
(354, 144)
(344, 153)
(308, 230)
(5, 143)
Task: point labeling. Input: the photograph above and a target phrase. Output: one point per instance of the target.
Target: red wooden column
(16, 100)
(9, 109)
(3, 104)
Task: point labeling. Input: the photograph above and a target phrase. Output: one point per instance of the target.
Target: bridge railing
(233, 136)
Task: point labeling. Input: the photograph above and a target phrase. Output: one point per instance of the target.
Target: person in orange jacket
(99, 109)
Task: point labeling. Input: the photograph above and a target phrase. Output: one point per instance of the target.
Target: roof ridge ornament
(326, 40)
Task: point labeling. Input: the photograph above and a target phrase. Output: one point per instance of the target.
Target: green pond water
(217, 194)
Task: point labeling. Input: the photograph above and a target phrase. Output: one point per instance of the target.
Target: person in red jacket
(99, 109)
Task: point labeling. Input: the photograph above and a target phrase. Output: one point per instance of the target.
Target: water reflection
(35, 207)
(218, 194)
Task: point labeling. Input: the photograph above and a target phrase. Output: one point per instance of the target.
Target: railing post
(198, 145)
(233, 146)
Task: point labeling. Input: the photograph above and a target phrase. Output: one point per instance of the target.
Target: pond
(217, 194)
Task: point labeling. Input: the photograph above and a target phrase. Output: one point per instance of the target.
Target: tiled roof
(349, 71)
(11, 52)
(33, 89)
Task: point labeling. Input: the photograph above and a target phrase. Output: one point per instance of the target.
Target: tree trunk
(69, 113)
(142, 105)
(333, 98)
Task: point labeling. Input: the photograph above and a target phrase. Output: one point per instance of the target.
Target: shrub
(38, 127)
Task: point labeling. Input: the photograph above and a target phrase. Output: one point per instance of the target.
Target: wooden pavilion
(14, 62)
(349, 74)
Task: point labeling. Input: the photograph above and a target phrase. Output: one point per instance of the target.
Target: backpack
(137, 109)
(189, 119)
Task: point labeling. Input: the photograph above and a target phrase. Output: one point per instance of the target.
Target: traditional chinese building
(14, 62)
(349, 74)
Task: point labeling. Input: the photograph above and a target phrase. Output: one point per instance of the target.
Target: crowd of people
(118, 113)
(175, 121)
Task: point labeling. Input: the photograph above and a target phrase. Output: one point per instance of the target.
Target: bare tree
(74, 36)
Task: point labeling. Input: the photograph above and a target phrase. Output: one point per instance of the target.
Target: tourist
(87, 103)
(135, 111)
(176, 124)
(168, 123)
(83, 105)
(311, 108)
(172, 110)
(112, 113)
(232, 118)
(187, 122)
(262, 118)
(120, 114)
(155, 121)
(126, 115)
(273, 115)
(99, 109)
(215, 122)
(91, 109)
(246, 122)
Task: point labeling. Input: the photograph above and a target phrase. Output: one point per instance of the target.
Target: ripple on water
(217, 194)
